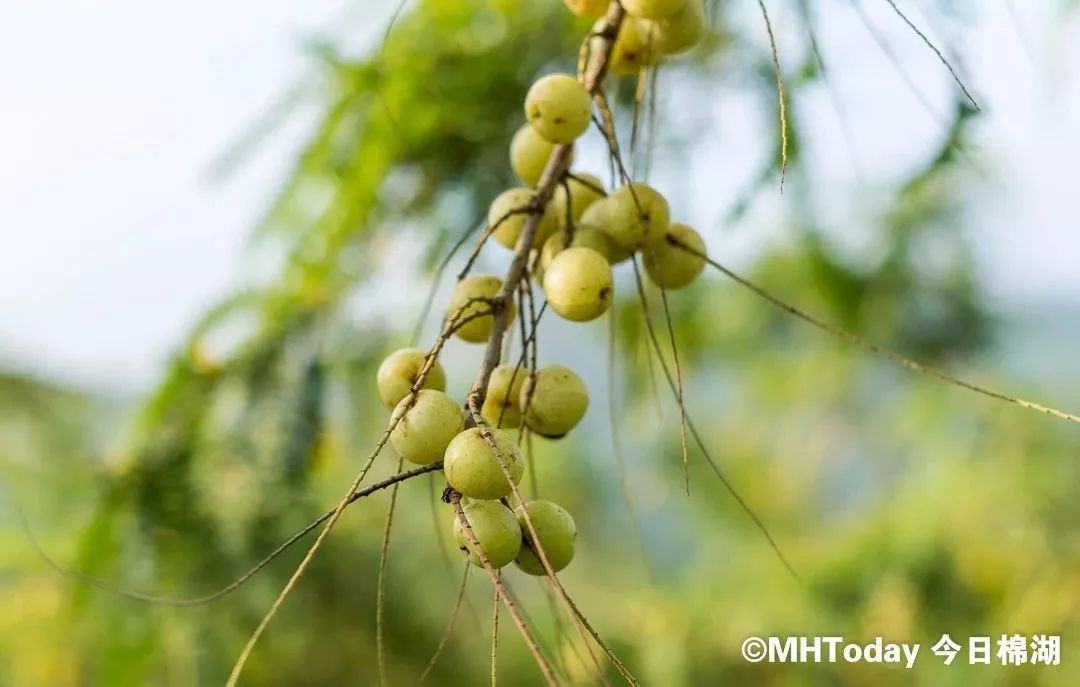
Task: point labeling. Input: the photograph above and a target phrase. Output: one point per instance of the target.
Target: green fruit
(511, 226)
(500, 407)
(556, 531)
(472, 468)
(592, 9)
(559, 107)
(481, 286)
(578, 284)
(427, 427)
(680, 31)
(582, 195)
(529, 154)
(596, 215)
(637, 215)
(633, 49)
(652, 9)
(671, 267)
(585, 236)
(398, 372)
(556, 399)
(495, 528)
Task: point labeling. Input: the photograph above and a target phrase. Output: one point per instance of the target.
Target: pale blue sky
(112, 239)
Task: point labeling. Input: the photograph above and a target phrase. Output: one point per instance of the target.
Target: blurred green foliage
(910, 509)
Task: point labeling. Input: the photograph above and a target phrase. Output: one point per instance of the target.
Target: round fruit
(593, 9)
(427, 427)
(556, 399)
(398, 372)
(556, 531)
(652, 9)
(585, 236)
(578, 284)
(511, 224)
(462, 306)
(637, 214)
(582, 195)
(680, 31)
(633, 48)
(500, 407)
(529, 154)
(596, 215)
(495, 528)
(671, 267)
(558, 107)
(472, 468)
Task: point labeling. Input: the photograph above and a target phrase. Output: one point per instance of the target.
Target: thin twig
(955, 76)
(701, 442)
(780, 96)
(872, 347)
(449, 623)
(153, 599)
(380, 587)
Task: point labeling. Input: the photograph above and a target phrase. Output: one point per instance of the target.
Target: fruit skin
(585, 236)
(559, 107)
(503, 390)
(397, 373)
(529, 154)
(671, 267)
(652, 9)
(633, 228)
(495, 527)
(633, 48)
(427, 427)
(592, 9)
(559, 399)
(597, 215)
(680, 31)
(555, 529)
(509, 230)
(578, 284)
(582, 195)
(479, 286)
(472, 468)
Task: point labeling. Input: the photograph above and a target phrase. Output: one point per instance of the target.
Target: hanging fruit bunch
(567, 233)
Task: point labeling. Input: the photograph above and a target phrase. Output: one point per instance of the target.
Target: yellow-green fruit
(512, 224)
(556, 399)
(592, 9)
(680, 31)
(427, 427)
(495, 528)
(671, 267)
(582, 195)
(652, 9)
(596, 215)
(500, 407)
(472, 468)
(637, 215)
(585, 236)
(556, 532)
(633, 48)
(529, 154)
(462, 306)
(578, 284)
(398, 372)
(559, 107)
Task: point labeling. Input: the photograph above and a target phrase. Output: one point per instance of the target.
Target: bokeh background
(218, 218)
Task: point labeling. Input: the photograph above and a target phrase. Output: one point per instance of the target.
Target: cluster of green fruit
(430, 426)
(577, 238)
(654, 28)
